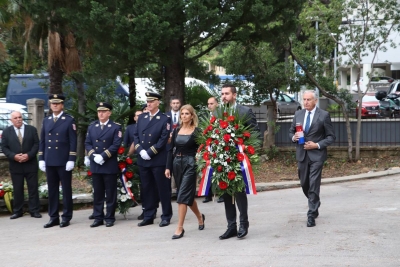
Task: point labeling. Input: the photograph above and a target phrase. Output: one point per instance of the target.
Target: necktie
(101, 126)
(19, 136)
(307, 123)
(55, 119)
(175, 118)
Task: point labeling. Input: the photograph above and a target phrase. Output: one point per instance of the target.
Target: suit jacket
(30, 145)
(128, 135)
(152, 136)
(58, 140)
(250, 118)
(321, 132)
(106, 143)
(173, 127)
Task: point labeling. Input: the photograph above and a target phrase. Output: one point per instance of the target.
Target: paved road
(359, 225)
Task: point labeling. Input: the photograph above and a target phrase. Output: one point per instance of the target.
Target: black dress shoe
(145, 222)
(180, 235)
(97, 224)
(164, 223)
(310, 222)
(243, 230)
(91, 217)
(52, 223)
(220, 200)
(15, 216)
(228, 234)
(207, 199)
(64, 224)
(36, 215)
(201, 226)
(141, 216)
(109, 224)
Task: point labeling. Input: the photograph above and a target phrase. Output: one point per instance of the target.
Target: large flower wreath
(127, 183)
(226, 154)
(6, 192)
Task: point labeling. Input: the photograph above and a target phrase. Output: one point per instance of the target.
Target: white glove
(42, 165)
(70, 165)
(98, 159)
(144, 155)
(87, 161)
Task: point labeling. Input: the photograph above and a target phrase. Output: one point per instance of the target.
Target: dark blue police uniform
(105, 142)
(128, 135)
(152, 135)
(58, 146)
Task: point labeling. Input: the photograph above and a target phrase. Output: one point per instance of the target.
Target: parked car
(394, 88)
(286, 106)
(374, 80)
(4, 123)
(369, 108)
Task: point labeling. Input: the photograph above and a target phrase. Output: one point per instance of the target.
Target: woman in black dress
(181, 160)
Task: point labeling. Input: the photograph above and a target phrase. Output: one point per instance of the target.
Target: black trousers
(105, 189)
(310, 179)
(230, 210)
(155, 188)
(18, 184)
(55, 175)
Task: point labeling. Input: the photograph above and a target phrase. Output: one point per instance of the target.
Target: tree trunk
(80, 150)
(132, 91)
(56, 77)
(175, 73)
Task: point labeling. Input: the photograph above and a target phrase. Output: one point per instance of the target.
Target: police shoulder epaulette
(68, 115)
(117, 123)
(93, 122)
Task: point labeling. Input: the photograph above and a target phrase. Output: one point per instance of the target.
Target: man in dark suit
(128, 135)
(103, 139)
(228, 97)
(57, 155)
(150, 137)
(212, 104)
(20, 144)
(318, 134)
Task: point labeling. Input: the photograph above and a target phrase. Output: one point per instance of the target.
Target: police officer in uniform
(150, 137)
(103, 139)
(57, 155)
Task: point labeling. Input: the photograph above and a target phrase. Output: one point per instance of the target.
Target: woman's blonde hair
(195, 119)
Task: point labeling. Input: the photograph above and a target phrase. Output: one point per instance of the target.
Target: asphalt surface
(358, 225)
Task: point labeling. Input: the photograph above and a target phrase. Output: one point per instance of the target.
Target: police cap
(144, 106)
(103, 106)
(55, 98)
(152, 96)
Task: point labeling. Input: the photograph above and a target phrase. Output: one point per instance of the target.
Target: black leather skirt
(184, 169)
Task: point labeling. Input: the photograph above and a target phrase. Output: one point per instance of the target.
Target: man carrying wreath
(228, 97)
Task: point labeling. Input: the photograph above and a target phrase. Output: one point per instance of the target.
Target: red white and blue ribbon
(124, 182)
(247, 173)
(205, 182)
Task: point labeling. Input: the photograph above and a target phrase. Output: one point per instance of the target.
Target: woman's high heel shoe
(180, 235)
(201, 226)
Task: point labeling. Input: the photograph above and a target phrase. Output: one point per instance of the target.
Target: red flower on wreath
(214, 155)
(240, 156)
(223, 124)
(208, 142)
(236, 126)
(231, 175)
(2, 193)
(246, 134)
(212, 120)
(219, 168)
(206, 156)
(129, 161)
(231, 118)
(122, 165)
(129, 175)
(226, 148)
(225, 114)
(205, 131)
(239, 141)
(89, 173)
(200, 148)
(223, 185)
(251, 150)
(216, 142)
(121, 150)
(209, 128)
(227, 137)
(217, 131)
(228, 160)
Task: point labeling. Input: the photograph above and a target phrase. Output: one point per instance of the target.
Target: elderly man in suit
(318, 134)
(57, 155)
(150, 137)
(103, 139)
(20, 144)
(228, 97)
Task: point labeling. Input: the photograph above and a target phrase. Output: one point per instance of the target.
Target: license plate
(372, 112)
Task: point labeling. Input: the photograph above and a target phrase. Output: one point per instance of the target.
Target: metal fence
(375, 131)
